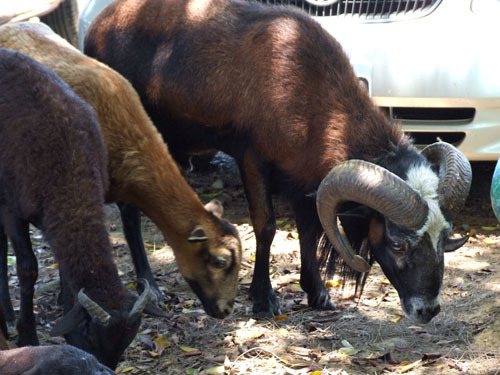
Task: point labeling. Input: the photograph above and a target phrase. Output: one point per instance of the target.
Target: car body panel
(23, 10)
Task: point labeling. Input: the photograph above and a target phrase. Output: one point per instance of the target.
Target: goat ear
(453, 244)
(215, 207)
(198, 235)
(375, 231)
(69, 321)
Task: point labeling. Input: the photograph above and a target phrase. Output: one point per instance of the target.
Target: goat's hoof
(27, 340)
(158, 299)
(322, 302)
(266, 308)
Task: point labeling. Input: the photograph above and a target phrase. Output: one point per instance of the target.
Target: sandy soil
(365, 336)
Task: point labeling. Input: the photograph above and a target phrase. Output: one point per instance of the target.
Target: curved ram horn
(95, 311)
(141, 302)
(375, 187)
(455, 176)
(452, 244)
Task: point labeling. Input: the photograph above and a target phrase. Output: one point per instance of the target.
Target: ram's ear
(215, 207)
(69, 322)
(198, 235)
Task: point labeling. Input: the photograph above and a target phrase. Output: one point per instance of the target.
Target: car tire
(64, 20)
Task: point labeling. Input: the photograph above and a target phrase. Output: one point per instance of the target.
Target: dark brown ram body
(53, 175)
(46, 360)
(142, 173)
(268, 86)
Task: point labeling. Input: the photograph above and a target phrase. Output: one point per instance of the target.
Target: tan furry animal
(142, 172)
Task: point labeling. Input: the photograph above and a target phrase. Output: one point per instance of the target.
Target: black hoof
(27, 340)
(156, 298)
(321, 302)
(265, 305)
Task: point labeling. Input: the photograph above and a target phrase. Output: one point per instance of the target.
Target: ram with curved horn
(53, 174)
(268, 86)
(408, 232)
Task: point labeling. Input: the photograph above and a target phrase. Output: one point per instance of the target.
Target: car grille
(367, 10)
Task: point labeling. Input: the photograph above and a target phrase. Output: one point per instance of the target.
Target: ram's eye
(398, 246)
(218, 262)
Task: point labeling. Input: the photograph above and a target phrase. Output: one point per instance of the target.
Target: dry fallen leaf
(489, 228)
(125, 370)
(281, 317)
(215, 370)
(396, 319)
(489, 241)
(163, 341)
(333, 284)
(402, 368)
(187, 349)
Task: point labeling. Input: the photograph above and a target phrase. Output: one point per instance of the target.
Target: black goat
(53, 174)
(270, 87)
(46, 360)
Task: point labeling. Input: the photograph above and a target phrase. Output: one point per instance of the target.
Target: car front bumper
(438, 75)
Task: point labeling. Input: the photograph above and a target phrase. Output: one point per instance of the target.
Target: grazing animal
(268, 86)
(143, 174)
(46, 360)
(53, 175)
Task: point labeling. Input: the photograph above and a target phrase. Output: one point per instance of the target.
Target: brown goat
(270, 87)
(142, 172)
(53, 174)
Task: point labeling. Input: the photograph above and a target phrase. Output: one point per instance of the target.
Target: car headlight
(486, 7)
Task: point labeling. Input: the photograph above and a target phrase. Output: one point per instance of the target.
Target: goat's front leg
(27, 273)
(4, 279)
(255, 182)
(131, 220)
(310, 231)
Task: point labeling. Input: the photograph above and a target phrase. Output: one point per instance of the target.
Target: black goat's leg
(310, 231)
(27, 273)
(131, 219)
(258, 195)
(5, 300)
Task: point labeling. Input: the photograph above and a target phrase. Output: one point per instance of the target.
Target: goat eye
(398, 246)
(218, 262)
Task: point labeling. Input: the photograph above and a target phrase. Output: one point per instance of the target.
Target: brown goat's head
(105, 334)
(212, 263)
(409, 227)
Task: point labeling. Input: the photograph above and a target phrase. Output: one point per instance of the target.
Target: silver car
(434, 65)
(60, 15)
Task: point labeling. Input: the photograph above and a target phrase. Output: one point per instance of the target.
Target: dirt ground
(365, 336)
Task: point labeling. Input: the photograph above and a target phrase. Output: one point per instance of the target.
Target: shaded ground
(369, 336)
